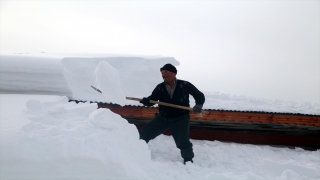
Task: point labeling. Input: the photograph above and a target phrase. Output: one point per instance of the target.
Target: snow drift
(49, 138)
(67, 139)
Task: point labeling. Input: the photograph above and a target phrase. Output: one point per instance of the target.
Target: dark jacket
(180, 97)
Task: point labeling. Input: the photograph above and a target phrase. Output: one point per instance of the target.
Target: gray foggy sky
(263, 49)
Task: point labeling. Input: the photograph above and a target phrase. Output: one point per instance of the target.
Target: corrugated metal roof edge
(223, 110)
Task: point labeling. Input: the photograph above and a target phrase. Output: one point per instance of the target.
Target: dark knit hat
(169, 67)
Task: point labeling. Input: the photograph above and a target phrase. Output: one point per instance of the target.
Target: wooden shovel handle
(167, 104)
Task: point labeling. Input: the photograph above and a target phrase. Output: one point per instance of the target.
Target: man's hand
(146, 101)
(197, 108)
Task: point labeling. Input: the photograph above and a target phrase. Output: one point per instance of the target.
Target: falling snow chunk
(109, 83)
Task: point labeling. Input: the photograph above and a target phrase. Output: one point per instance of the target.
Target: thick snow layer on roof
(138, 76)
(32, 75)
(72, 75)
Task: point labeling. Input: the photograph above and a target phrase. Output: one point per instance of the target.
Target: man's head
(168, 72)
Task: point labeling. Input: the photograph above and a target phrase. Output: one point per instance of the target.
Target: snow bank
(67, 140)
(45, 137)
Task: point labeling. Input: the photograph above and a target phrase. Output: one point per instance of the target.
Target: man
(177, 92)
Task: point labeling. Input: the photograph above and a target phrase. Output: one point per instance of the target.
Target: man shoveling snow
(174, 91)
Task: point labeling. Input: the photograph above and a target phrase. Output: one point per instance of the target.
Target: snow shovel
(167, 104)
(157, 102)
(96, 89)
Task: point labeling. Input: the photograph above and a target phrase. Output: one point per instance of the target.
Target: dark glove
(197, 108)
(146, 101)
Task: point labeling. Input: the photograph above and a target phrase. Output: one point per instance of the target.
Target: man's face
(168, 76)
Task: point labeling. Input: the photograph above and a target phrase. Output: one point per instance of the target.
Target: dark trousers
(179, 127)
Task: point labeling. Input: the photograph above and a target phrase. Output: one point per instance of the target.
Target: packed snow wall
(23, 74)
(133, 72)
(73, 76)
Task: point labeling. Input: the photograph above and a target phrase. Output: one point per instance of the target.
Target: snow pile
(45, 137)
(67, 140)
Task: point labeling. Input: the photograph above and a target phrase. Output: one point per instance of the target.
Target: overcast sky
(262, 49)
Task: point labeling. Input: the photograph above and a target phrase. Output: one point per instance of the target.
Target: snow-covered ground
(47, 137)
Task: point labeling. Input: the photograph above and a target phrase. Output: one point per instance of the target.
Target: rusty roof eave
(221, 115)
(250, 127)
(224, 110)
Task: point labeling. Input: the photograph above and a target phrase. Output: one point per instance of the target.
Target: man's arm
(197, 95)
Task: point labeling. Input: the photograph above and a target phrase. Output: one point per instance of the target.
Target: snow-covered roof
(136, 76)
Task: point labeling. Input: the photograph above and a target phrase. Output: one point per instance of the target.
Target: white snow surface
(112, 90)
(72, 75)
(32, 75)
(138, 75)
(48, 138)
